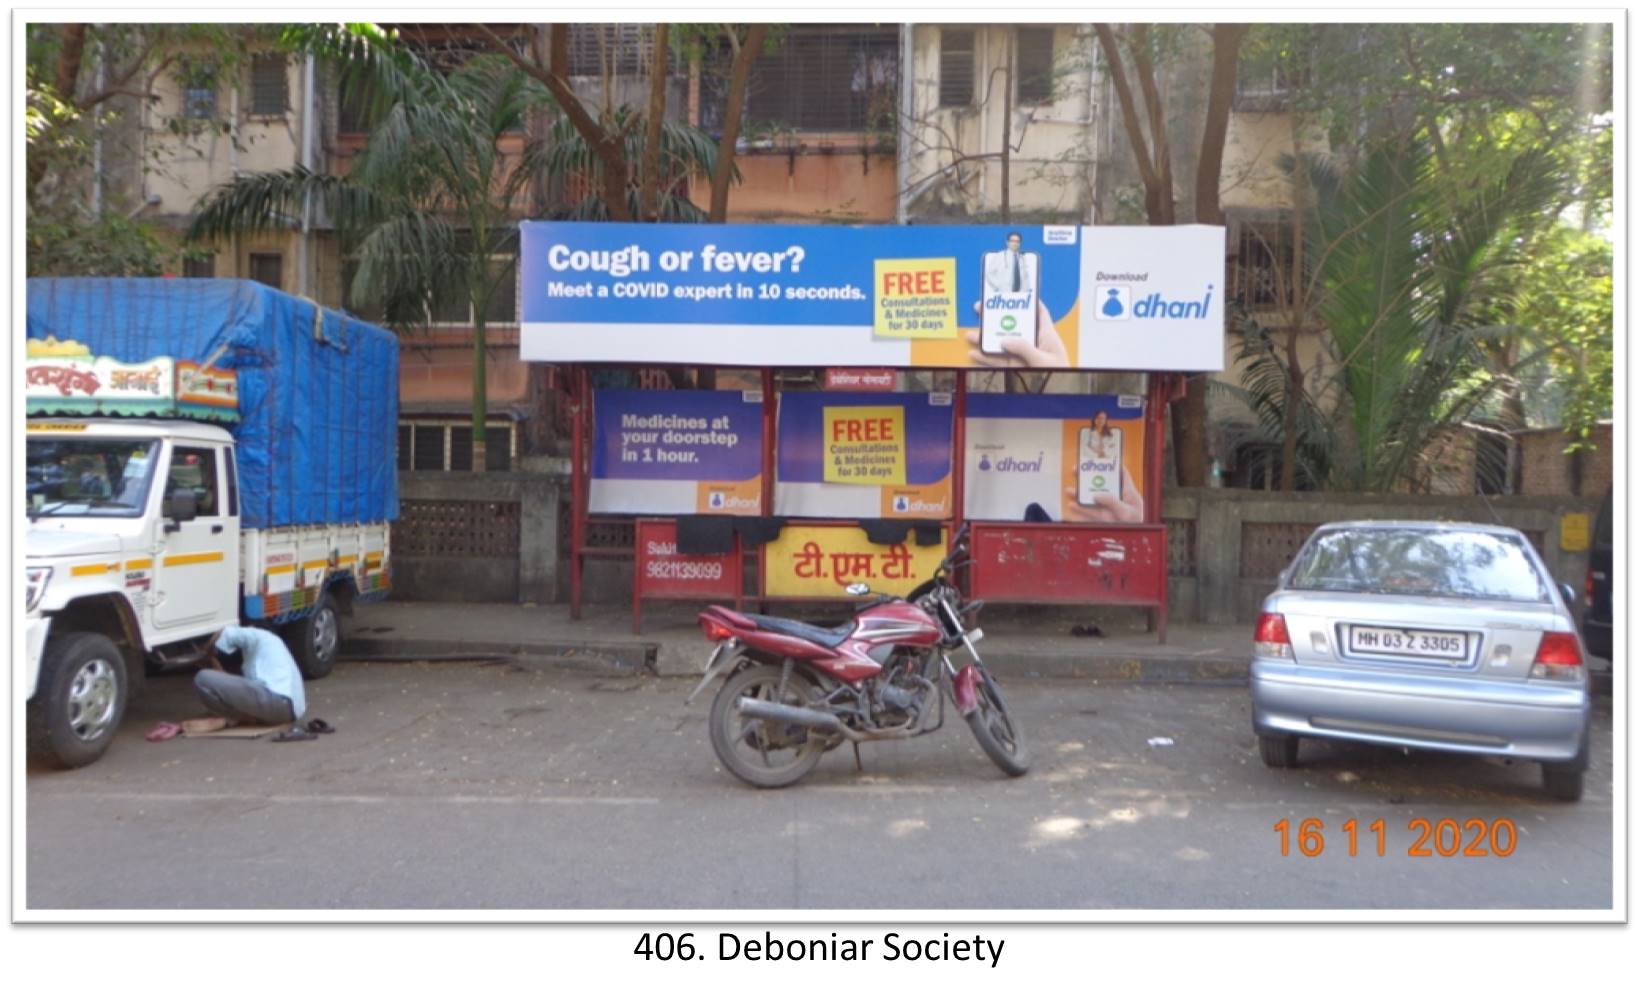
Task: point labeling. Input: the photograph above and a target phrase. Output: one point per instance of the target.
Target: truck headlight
(37, 579)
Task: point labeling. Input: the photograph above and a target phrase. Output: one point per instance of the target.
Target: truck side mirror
(182, 505)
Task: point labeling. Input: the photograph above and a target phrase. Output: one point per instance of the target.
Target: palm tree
(685, 153)
(1409, 279)
(429, 205)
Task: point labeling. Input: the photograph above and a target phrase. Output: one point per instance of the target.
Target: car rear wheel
(1279, 750)
(1563, 782)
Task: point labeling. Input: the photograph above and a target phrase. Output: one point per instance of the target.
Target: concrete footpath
(1025, 643)
(1028, 643)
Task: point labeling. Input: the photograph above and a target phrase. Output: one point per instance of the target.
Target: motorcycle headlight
(37, 579)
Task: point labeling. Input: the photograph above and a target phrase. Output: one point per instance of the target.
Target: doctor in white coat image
(1010, 272)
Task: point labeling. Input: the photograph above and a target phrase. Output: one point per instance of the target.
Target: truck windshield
(79, 477)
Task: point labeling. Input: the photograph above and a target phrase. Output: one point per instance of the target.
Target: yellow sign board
(821, 561)
(916, 298)
(864, 445)
(1574, 532)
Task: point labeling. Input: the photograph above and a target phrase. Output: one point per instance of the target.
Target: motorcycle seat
(831, 638)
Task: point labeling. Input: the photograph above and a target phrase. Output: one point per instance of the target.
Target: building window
(269, 93)
(1263, 274)
(618, 49)
(956, 63)
(820, 78)
(199, 103)
(503, 299)
(1264, 83)
(1035, 65)
(446, 445)
(267, 268)
(201, 268)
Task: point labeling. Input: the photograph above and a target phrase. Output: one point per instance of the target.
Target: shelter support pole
(579, 408)
(958, 454)
(770, 465)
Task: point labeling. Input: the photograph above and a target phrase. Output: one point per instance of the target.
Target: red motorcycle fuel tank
(891, 624)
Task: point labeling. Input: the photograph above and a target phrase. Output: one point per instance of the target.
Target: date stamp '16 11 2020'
(1445, 838)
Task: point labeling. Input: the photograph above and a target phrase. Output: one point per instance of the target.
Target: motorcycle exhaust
(775, 712)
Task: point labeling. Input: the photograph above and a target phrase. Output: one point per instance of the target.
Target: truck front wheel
(80, 699)
(316, 639)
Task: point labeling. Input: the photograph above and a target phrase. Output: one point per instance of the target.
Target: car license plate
(1381, 640)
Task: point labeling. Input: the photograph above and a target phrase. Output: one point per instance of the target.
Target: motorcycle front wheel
(759, 752)
(995, 730)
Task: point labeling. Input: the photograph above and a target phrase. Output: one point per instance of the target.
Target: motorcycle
(795, 691)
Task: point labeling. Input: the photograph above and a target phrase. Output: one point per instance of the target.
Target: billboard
(677, 452)
(1078, 457)
(933, 296)
(864, 455)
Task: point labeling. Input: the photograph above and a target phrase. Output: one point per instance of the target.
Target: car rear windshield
(1439, 563)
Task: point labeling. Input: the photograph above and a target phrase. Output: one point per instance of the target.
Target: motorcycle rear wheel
(996, 732)
(758, 752)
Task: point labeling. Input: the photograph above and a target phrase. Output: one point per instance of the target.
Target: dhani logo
(903, 503)
(1011, 464)
(1115, 304)
(720, 500)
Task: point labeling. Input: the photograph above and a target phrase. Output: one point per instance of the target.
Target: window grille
(267, 268)
(957, 59)
(820, 78)
(1034, 65)
(269, 86)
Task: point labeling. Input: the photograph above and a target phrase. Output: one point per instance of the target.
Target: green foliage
(1450, 283)
(68, 244)
(1565, 298)
(429, 199)
(685, 152)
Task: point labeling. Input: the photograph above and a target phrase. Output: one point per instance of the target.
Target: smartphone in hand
(1005, 313)
(1098, 468)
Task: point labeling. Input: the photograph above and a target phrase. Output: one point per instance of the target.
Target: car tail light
(1589, 587)
(1272, 640)
(715, 631)
(1557, 656)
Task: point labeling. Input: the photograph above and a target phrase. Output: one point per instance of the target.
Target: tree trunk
(65, 81)
(722, 175)
(480, 393)
(1006, 129)
(1189, 414)
(648, 196)
(607, 145)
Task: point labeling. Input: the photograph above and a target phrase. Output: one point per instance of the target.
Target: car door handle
(216, 528)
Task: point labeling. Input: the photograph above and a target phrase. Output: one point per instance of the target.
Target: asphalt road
(507, 786)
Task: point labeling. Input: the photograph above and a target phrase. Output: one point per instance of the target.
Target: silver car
(1443, 636)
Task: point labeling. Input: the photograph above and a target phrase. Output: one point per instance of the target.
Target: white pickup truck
(147, 535)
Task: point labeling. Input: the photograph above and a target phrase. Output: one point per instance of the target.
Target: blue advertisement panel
(1048, 297)
(864, 455)
(676, 452)
(1077, 458)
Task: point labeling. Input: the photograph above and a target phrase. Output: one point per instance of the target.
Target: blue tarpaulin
(318, 390)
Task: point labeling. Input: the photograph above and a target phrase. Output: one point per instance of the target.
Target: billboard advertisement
(933, 296)
(677, 452)
(1079, 458)
(864, 455)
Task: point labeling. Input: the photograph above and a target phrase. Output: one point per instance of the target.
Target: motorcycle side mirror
(858, 588)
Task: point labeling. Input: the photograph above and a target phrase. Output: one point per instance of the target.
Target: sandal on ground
(164, 731)
(319, 726)
(294, 733)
